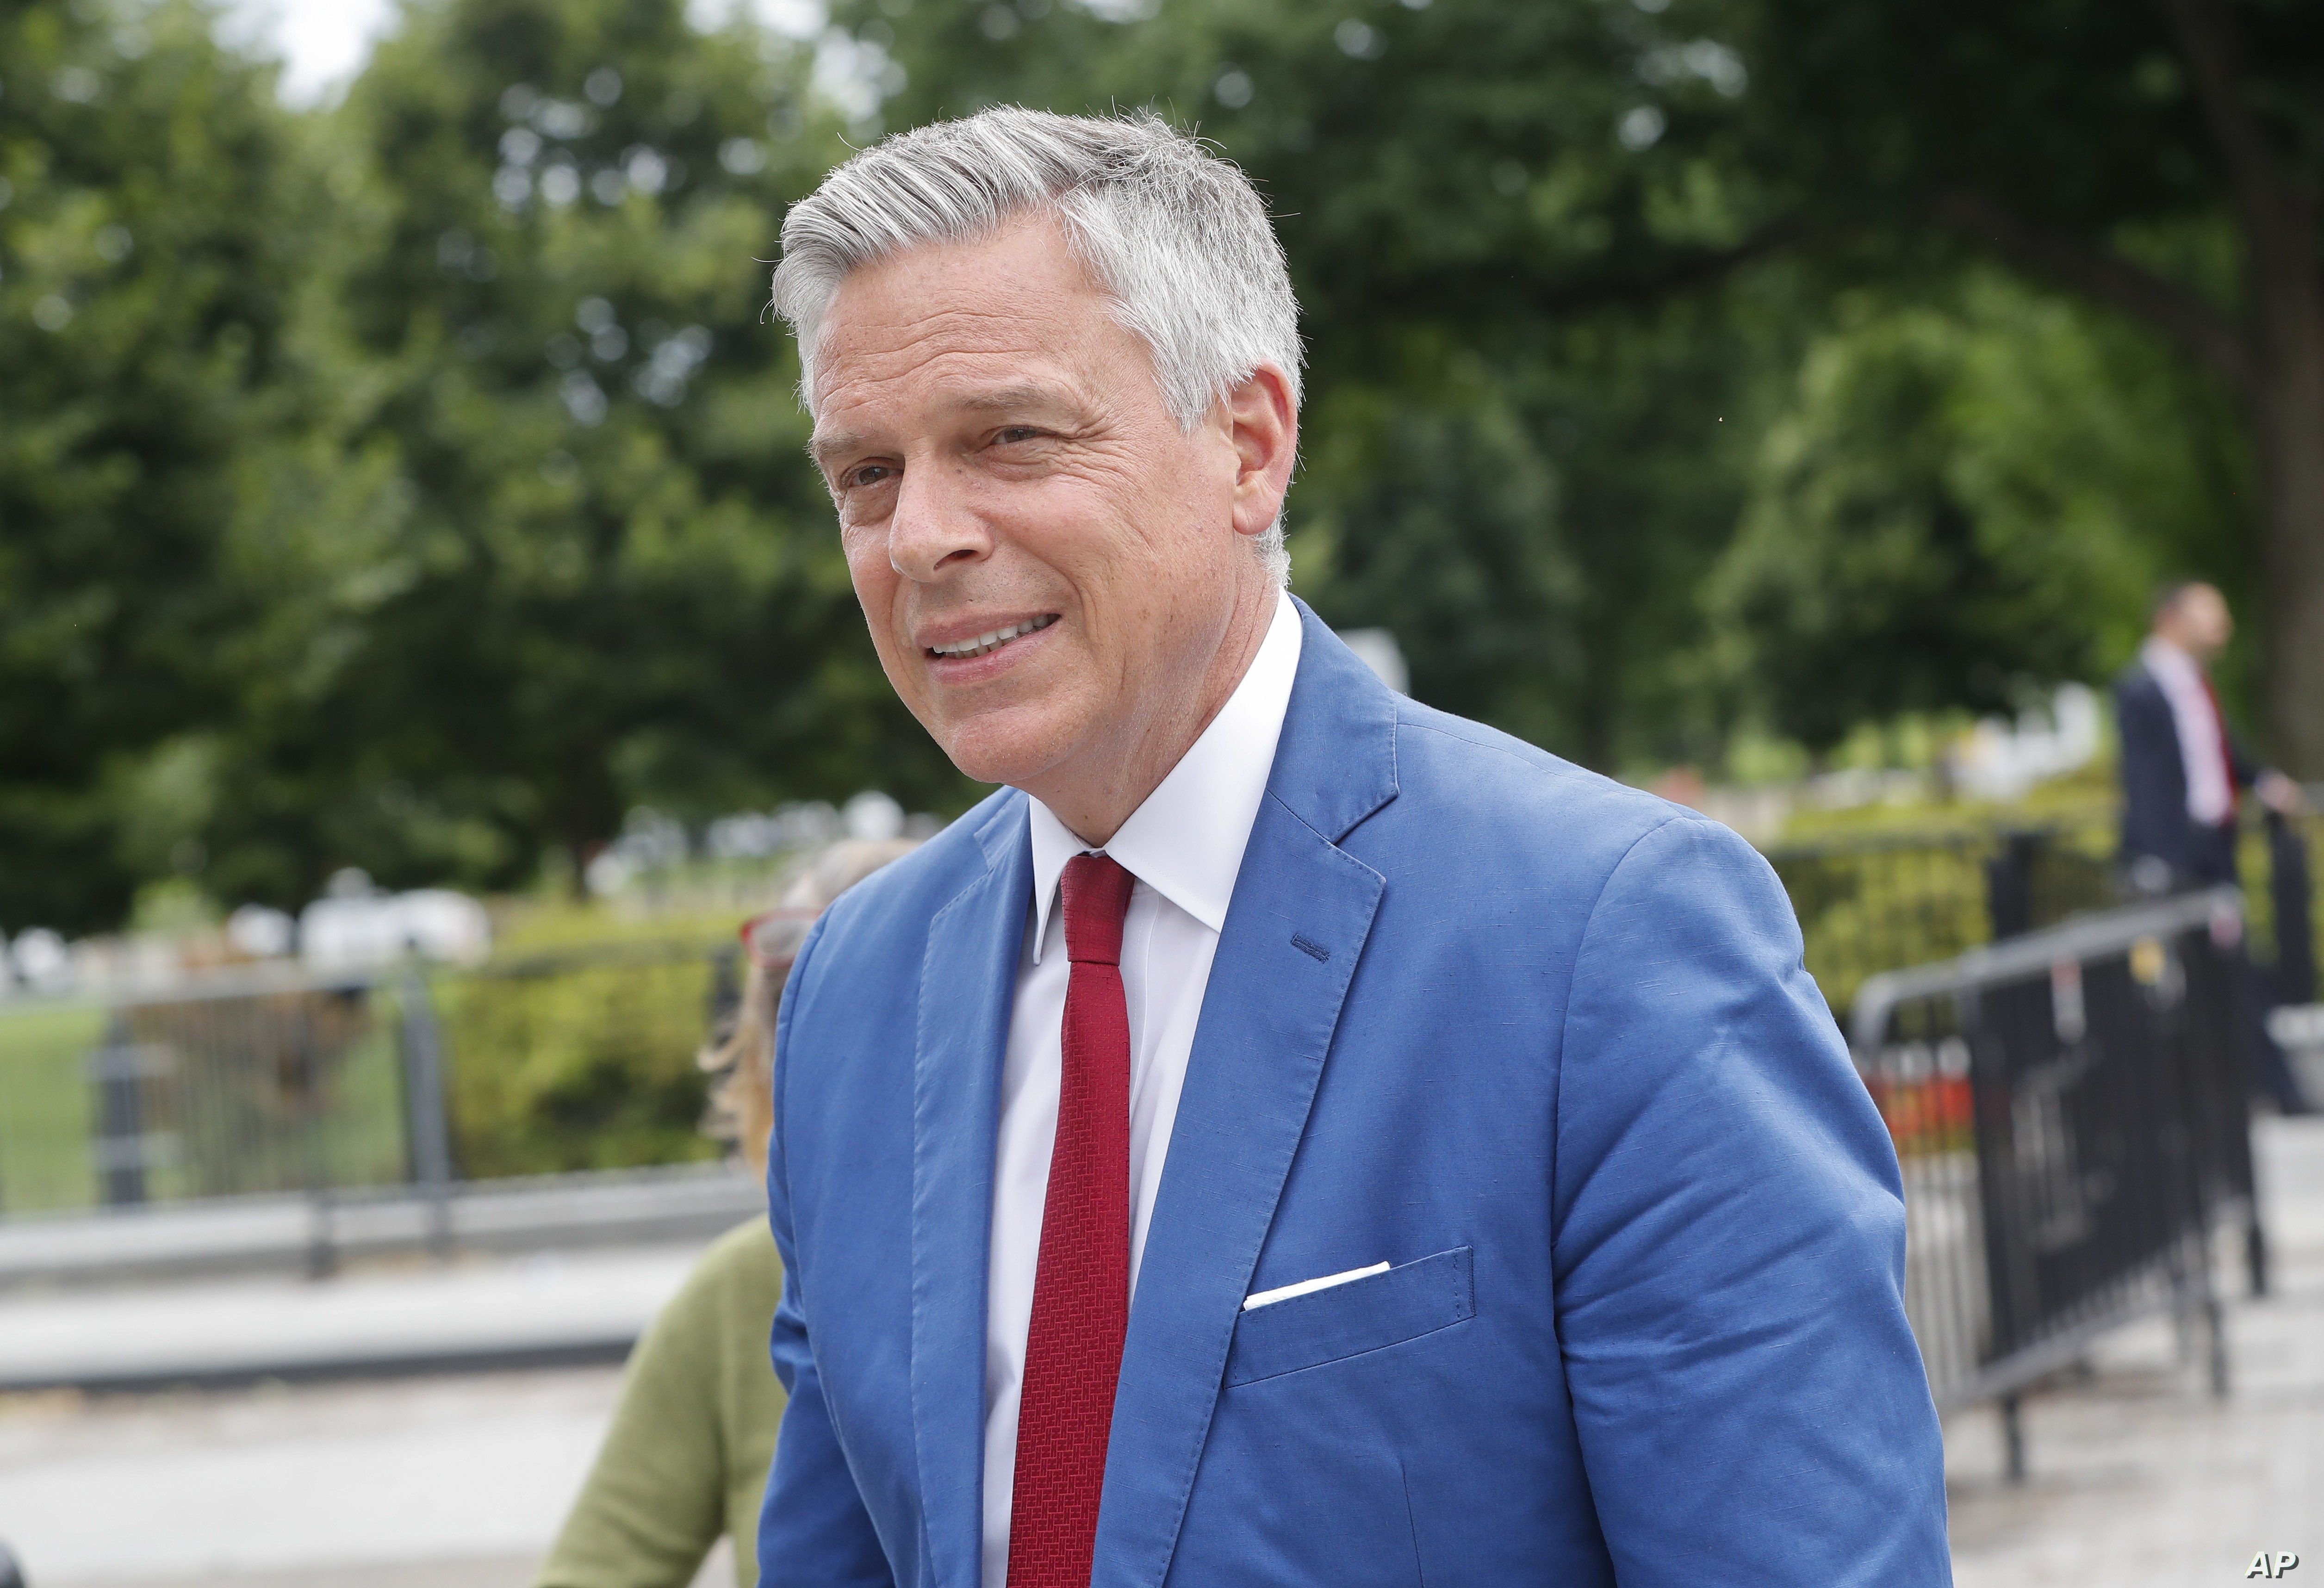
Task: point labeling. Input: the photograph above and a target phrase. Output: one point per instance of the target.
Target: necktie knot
(1096, 893)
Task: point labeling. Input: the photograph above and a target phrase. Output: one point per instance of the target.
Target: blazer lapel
(968, 979)
(1294, 931)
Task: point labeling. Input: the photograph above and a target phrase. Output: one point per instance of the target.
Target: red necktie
(1080, 1289)
(2226, 746)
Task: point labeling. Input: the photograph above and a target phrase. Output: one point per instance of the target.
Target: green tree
(414, 484)
(610, 576)
(1967, 493)
(2104, 148)
(160, 224)
(1491, 178)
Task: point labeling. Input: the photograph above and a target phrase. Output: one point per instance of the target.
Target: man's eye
(868, 474)
(1017, 433)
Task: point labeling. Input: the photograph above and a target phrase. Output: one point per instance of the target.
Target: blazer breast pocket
(1369, 1314)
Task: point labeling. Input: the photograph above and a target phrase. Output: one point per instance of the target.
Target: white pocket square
(1285, 1292)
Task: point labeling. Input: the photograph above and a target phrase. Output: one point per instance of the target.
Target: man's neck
(2186, 655)
(1099, 789)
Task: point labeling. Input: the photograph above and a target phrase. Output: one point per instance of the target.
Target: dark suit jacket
(2154, 819)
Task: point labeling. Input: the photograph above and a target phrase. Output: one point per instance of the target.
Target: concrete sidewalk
(552, 1307)
(457, 1483)
(2138, 1478)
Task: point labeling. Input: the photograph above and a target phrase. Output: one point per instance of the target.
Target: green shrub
(589, 1066)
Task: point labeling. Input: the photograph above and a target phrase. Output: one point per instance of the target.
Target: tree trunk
(2287, 415)
(2282, 384)
(588, 813)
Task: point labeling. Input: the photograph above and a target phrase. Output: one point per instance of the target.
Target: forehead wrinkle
(955, 380)
(881, 342)
(1014, 398)
(883, 352)
(910, 311)
(942, 334)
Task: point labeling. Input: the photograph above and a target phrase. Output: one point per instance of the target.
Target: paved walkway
(455, 1482)
(2138, 1478)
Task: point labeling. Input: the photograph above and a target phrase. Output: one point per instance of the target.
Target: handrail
(2035, 951)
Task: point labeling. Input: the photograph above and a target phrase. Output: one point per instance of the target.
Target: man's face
(1045, 560)
(2200, 623)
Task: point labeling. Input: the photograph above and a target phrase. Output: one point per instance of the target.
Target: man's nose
(934, 529)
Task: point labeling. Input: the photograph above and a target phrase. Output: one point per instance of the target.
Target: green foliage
(2156, 159)
(580, 1068)
(611, 578)
(47, 1110)
(1960, 498)
(413, 484)
(156, 223)
(1867, 908)
(1869, 902)
(1556, 370)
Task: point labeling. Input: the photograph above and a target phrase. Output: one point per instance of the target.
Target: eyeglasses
(773, 938)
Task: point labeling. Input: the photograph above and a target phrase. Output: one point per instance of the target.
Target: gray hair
(1173, 234)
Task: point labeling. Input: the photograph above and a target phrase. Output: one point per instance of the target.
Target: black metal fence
(2070, 1111)
(1877, 902)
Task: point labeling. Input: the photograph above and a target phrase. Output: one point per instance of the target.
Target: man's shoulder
(2136, 681)
(1487, 791)
(900, 897)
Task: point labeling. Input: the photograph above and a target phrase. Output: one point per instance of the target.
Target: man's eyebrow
(1013, 397)
(825, 448)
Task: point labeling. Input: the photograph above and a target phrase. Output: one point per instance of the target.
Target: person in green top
(693, 1432)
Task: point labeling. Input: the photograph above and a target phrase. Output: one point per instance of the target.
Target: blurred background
(422, 639)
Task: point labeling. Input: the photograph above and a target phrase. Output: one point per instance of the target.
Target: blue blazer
(1540, 1041)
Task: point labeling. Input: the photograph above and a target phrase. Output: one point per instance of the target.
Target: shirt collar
(2169, 664)
(1185, 842)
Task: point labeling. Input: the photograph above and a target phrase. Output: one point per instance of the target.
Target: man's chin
(1014, 745)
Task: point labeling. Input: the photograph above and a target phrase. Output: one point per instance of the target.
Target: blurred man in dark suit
(2183, 769)
(2184, 772)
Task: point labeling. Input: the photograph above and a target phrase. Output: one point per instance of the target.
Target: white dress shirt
(1184, 847)
(2202, 739)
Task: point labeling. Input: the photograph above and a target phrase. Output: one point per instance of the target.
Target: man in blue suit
(1287, 1135)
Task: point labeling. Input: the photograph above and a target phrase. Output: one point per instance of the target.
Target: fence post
(2009, 884)
(2288, 891)
(322, 1242)
(423, 1090)
(120, 1116)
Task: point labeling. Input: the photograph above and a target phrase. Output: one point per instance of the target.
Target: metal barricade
(2069, 1110)
(1874, 903)
(249, 1083)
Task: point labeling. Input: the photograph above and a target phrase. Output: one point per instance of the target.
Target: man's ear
(1263, 423)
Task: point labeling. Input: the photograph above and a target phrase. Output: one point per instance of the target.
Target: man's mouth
(992, 639)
